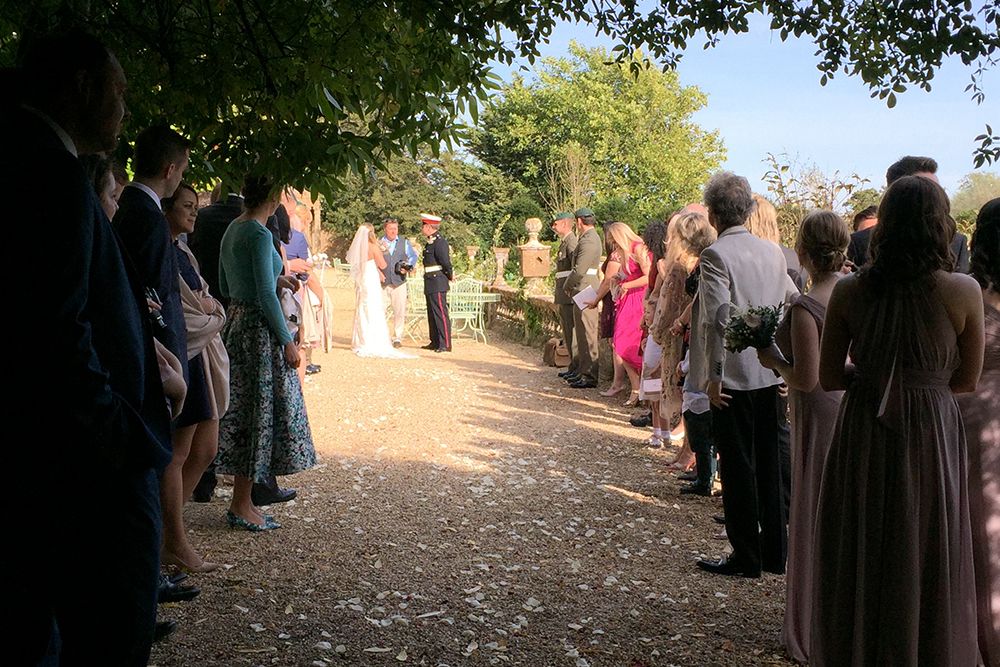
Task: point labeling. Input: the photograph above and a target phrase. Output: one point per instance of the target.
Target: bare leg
(685, 457)
(204, 446)
(172, 495)
(619, 378)
(241, 504)
(633, 379)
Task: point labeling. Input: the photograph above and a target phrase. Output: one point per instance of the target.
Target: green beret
(562, 215)
(584, 213)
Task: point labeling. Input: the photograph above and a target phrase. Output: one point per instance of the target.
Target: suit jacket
(92, 400)
(436, 253)
(586, 263)
(206, 240)
(739, 270)
(564, 265)
(146, 236)
(857, 251)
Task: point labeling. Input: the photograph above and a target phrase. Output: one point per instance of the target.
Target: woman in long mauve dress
(821, 247)
(981, 413)
(893, 579)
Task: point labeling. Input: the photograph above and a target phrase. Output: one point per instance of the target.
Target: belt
(562, 274)
(431, 269)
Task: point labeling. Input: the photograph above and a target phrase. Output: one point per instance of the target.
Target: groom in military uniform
(562, 225)
(437, 276)
(586, 266)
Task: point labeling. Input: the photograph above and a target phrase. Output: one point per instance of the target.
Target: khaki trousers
(395, 298)
(585, 327)
(566, 319)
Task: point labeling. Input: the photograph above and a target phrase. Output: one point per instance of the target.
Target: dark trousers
(750, 464)
(438, 322)
(585, 328)
(698, 431)
(566, 319)
(83, 585)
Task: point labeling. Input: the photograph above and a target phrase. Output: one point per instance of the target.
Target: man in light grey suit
(562, 225)
(737, 271)
(586, 266)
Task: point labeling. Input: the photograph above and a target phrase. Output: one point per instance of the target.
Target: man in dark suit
(583, 274)
(161, 157)
(857, 251)
(93, 401)
(437, 277)
(206, 240)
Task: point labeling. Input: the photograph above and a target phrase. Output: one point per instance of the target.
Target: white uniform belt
(431, 269)
(562, 274)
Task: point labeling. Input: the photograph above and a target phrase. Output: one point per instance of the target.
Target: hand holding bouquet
(752, 327)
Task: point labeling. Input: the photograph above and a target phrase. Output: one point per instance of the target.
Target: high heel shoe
(633, 400)
(172, 560)
(611, 391)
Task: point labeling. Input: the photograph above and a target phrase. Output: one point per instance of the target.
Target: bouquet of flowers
(753, 327)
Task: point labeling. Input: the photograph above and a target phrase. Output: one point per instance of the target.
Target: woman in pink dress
(981, 414)
(893, 580)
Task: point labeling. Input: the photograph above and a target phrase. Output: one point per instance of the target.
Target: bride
(371, 335)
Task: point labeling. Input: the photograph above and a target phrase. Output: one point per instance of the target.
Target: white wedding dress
(371, 333)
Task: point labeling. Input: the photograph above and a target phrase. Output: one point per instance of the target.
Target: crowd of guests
(859, 453)
(161, 363)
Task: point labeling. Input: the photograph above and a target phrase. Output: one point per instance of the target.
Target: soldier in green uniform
(583, 274)
(562, 225)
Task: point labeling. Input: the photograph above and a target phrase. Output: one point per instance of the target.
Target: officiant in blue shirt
(400, 258)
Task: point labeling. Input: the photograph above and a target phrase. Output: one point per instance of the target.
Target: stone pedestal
(535, 259)
(501, 254)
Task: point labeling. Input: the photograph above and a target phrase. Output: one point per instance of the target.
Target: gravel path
(470, 509)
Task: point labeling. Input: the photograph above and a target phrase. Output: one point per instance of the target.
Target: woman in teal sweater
(266, 430)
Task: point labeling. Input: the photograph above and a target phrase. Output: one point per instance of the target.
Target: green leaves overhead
(310, 90)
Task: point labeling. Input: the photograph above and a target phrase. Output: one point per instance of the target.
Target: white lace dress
(371, 334)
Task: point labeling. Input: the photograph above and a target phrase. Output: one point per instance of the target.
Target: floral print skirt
(266, 430)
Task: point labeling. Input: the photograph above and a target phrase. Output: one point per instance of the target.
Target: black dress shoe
(774, 569)
(566, 373)
(263, 494)
(642, 421)
(729, 568)
(696, 490)
(312, 369)
(584, 383)
(429, 346)
(163, 629)
(719, 518)
(689, 476)
(170, 592)
(397, 343)
(205, 489)
(573, 377)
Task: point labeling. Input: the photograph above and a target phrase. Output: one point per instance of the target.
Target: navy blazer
(91, 398)
(857, 251)
(145, 234)
(206, 241)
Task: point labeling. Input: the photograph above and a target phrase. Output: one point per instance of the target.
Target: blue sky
(764, 96)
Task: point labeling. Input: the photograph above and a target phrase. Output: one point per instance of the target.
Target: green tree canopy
(480, 206)
(308, 90)
(974, 190)
(645, 152)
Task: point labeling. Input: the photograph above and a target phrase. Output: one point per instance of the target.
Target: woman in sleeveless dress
(631, 283)
(893, 578)
(981, 414)
(821, 246)
(371, 333)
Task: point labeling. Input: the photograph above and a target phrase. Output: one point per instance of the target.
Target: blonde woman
(687, 236)
(763, 223)
(631, 281)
